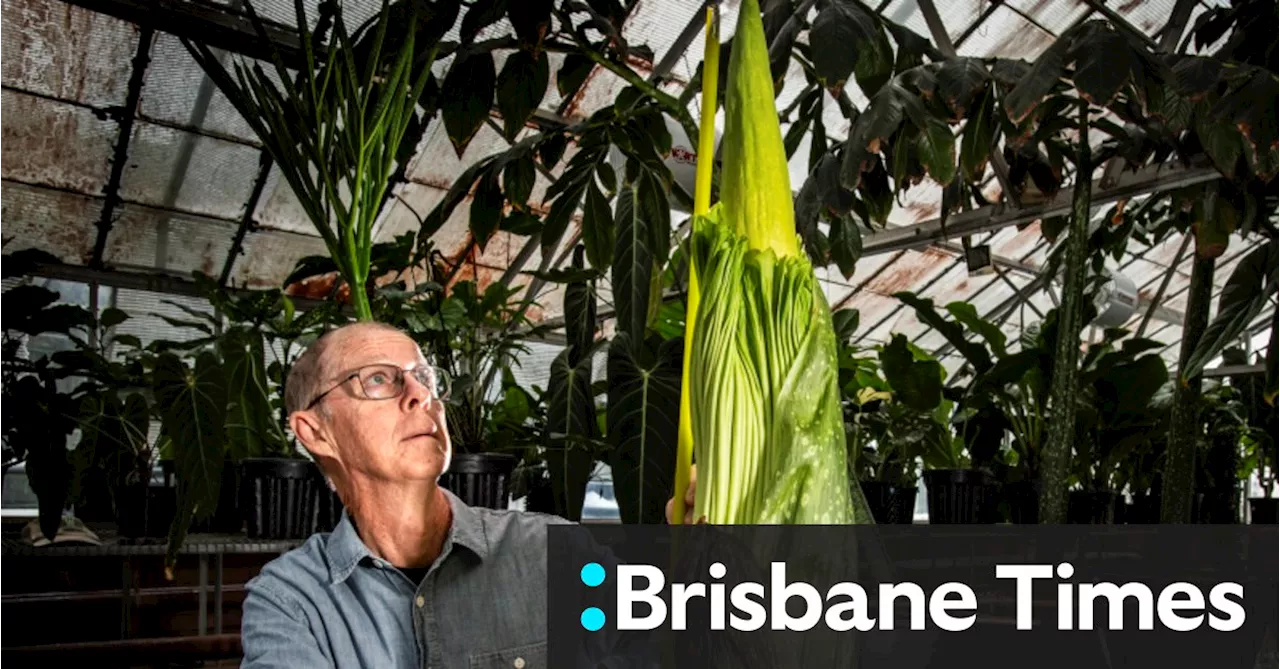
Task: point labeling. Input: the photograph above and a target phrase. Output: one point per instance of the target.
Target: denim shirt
(331, 603)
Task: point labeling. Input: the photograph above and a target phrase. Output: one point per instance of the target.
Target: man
(411, 576)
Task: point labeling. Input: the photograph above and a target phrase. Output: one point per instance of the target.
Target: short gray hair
(307, 372)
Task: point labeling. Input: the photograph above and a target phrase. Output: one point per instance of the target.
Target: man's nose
(416, 394)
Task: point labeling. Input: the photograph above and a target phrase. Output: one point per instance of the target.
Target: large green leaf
(597, 228)
(467, 96)
(844, 34)
(967, 314)
(937, 151)
(643, 421)
(1038, 81)
(1104, 63)
(979, 137)
(486, 209)
(1250, 288)
(975, 353)
(251, 428)
(193, 413)
(846, 244)
(960, 80)
(917, 383)
(579, 312)
(634, 264)
(571, 423)
(882, 118)
(521, 84)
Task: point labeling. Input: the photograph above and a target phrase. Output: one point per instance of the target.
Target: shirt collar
(346, 549)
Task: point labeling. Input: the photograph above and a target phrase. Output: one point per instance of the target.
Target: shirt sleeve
(274, 633)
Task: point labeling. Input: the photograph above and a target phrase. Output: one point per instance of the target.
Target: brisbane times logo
(646, 602)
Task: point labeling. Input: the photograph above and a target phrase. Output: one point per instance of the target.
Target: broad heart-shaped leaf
(251, 429)
(597, 227)
(917, 383)
(643, 420)
(1126, 390)
(634, 264)
(467, 96)
(842, 30)
(975, 353)
(193, 414)
(1245, 294)
(571, 420)
(846, 244)
(521, 85)
(936, 148)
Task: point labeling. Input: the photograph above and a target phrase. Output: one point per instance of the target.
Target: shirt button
(519, 663)
(420, 601)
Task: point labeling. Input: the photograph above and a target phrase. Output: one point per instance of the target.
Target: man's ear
(311, 431)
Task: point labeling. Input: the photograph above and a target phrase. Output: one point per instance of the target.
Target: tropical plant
(762, 373)
(339, 127)
(39, 414)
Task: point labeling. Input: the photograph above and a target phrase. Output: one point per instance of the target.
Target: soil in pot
(959, 496)
(480, 479)
(1092, 507)
(1263, 510)
(279, 497)
(890, 504)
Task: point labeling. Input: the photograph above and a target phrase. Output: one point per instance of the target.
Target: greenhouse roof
(81, 78)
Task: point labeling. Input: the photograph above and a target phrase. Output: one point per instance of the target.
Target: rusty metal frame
(246, 221)
(120, 155)
(1151, 179)
(216, 27)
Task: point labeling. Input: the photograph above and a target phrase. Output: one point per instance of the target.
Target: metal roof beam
(218, 28)
(995, 217)
(120, 156)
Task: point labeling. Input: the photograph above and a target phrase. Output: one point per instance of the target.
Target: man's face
(399, 439)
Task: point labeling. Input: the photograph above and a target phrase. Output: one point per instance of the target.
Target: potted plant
(38, 411)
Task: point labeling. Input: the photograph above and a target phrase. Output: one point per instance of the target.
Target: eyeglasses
(386, 382)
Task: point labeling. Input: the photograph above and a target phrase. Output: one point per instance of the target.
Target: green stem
(1184, 425)
(1057, 453)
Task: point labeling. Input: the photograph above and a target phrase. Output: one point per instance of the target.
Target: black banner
(913, 596)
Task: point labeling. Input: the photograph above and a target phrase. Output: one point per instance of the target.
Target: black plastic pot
(480, 479)
(1263, 510)
(1217, 508)
(1023, 501)
(890, 504)
(959, 496)
(279, 497)
(145, 511)
(1143, 510)
(227, 518)
(1092, 507)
